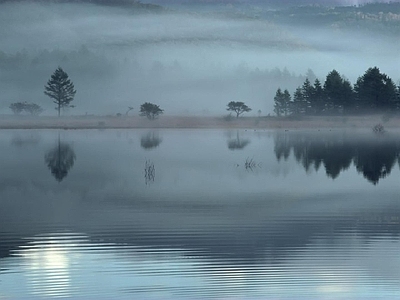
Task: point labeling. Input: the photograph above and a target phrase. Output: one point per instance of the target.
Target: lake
(178, 214)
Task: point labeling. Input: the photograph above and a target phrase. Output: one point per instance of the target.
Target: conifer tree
(298, 105)
(307, 91)
(287, 100)
(317, 98)
(279, 103)
(61, 89)
(375, 90)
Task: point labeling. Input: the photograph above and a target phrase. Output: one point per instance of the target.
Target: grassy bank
(103, 122)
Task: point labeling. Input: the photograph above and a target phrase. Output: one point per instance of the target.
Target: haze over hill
(185, 61)
(269, 2)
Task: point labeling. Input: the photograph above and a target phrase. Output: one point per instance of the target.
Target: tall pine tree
(307, 91)
(286, 100)
(282, 102)
(298, 105)
(279, 103)
(318, 98)
(61, 89)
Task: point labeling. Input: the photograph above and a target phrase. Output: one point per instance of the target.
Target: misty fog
(299, 200)
(187, 62)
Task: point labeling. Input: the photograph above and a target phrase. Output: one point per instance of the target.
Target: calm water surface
(177, 214)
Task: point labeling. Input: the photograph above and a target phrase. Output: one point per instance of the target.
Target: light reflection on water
(206, 226)
(72, 265)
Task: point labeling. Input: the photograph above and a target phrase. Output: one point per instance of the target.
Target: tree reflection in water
(60, 160)
(374, 157)
(150, 140)
(237, 143)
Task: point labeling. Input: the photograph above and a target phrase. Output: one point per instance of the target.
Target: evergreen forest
(373, 92)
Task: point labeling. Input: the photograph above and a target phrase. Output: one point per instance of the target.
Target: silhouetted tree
(307, 91)
(33, 109)
(30, 108)
(150, 110)
(60, 160)
(298, 105)
(61, 89)
(372, 91)
(398, 98)
(348, 96)
(17, 107)
(287, 99)
(317, 99)
(375, 90)
(282, 102)
(279, 103)
(238, 107)
(338, 92)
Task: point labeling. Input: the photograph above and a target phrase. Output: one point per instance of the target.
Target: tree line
(94, 70)
(373, 92)
(29, 108)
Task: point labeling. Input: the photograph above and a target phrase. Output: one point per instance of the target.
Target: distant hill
(374, 17)
(121, 3)
(280, 3)
(367, 16)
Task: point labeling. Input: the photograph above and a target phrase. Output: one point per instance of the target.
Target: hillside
(121, 3)
(380, 17)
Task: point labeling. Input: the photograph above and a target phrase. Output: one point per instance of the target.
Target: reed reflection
(149, 172)
(60, 160)
(374, 157)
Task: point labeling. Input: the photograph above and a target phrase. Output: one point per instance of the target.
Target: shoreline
(196, 122)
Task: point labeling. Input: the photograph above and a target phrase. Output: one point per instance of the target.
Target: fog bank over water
(187, 62)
